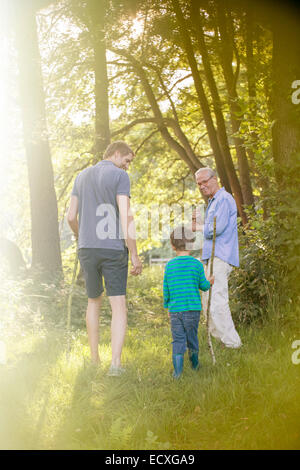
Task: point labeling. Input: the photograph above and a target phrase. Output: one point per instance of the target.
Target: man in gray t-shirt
(100, 217)
(96, 188)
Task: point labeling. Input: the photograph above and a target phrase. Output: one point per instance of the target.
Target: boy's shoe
(193, 357)
(178, 365)
(114, 371)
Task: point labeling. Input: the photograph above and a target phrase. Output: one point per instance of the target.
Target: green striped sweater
(184, 276)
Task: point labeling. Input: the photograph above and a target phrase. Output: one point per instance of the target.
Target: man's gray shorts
(110, 264)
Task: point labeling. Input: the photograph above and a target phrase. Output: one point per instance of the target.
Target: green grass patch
(51, 398)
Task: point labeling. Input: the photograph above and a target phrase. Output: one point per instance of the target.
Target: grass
(51, 398)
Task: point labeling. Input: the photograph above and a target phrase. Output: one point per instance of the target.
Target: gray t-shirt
(96, 188)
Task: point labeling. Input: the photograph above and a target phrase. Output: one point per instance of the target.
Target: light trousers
(221, 325)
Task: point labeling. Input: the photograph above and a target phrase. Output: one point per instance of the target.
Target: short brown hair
(181, 237)
(118, 146)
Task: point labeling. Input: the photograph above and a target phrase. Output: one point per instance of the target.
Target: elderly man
(222, 206)
(100, 197)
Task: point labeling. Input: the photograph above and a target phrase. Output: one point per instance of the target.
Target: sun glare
(137, 27)
(8, 129)
(4, 121)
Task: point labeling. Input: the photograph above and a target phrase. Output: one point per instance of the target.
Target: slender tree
(226, 46)
(44, 215)
(223, 166)
(196, 19)
(285, 72)
(92, 14)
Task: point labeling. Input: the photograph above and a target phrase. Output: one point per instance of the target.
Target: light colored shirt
(223, 206)
(184, 276)
(96, 188)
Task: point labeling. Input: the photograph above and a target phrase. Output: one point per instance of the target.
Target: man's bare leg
(118, 327)
(92, 324)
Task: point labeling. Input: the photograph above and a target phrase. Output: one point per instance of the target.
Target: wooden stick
(209, 295)
(69, 305)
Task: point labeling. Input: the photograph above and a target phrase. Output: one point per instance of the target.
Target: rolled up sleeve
(124, 184)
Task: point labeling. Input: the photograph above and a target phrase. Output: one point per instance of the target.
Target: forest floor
(52, 398)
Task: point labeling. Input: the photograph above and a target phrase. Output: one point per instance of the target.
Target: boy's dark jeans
(184, 327)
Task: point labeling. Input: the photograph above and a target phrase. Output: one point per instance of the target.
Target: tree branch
(132, 124)
(161, 122)
(145, 140)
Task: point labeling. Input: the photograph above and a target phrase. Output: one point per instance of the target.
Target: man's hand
(197, 220)
(211, 279)
(136, 265)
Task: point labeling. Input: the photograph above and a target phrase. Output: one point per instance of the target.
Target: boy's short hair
(182, 237)
(120, 146)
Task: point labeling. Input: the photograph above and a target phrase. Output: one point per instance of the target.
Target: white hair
(209, 170)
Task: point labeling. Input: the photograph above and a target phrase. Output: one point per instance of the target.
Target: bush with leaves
(269, 271)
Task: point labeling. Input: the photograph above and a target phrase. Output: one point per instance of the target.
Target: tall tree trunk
(226, 56)
(44, 215)
(250, 67)
(249, 51)
(223, 167)
(286, 114)
(221, 128)
(102, 131)
(92, 14)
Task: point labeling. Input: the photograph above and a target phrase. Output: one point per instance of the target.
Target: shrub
(270, 256)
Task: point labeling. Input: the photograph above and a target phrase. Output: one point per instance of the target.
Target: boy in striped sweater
(183, 277)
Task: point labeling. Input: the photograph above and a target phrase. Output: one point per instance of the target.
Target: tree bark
(92, 14)
(217, 105)
(102, 131)
(46, 252)
(250, 67)
(250, 64)
(226, 57)
(285, 70)
(223, 167)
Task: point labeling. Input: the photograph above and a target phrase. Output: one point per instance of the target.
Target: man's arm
(72, 216)
(128, 227)
(222, 214)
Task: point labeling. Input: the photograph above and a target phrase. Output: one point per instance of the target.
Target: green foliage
(53, 399)
(270, 253)
(260, 274)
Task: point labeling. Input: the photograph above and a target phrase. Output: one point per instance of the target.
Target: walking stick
(209, 295)
(69, 306)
